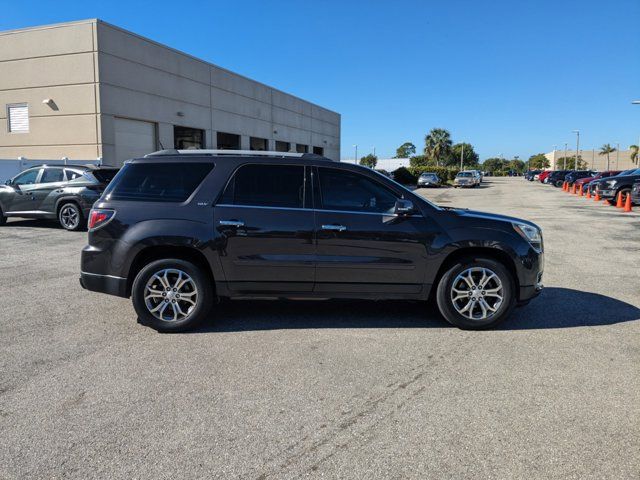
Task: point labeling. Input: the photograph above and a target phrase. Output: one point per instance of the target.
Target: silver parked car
(428, 179)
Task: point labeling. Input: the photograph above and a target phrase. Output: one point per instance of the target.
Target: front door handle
(334, 228)
(232, 223)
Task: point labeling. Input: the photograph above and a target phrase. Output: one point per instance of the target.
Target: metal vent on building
(18, 118)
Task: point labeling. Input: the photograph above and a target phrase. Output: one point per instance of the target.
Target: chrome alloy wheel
(69, 217)
(170, 295)
(477, 293)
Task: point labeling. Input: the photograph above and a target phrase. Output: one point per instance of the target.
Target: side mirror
(404, 207)
(8, 182)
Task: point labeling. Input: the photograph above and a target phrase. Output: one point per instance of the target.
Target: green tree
(470, 159)
(635, 153)
(571, 163)
(406, 150)
(420, 161)
(606, 149)
(494, 165)
(437, 145)
(538, 162)
(517, 165)
(369, 161)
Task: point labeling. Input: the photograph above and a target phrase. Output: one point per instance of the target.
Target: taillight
(99, 217)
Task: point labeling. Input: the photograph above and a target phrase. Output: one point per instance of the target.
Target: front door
(363, 246)
(23, 199)
(264, 223)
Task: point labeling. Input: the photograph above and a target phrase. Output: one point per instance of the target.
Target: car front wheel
(171, 295)
(476, 293)
(70, 217)
(3, 219)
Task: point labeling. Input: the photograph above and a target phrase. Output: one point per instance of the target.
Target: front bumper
(607, 193)
(104, 284)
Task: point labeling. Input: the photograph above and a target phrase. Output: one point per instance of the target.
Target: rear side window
(266, 186)
(52, 175)
(157, 182)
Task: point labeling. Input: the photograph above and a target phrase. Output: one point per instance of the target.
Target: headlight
(531, 234)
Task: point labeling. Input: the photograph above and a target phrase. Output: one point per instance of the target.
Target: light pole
(577, 132)
(564, 167)
(355, 161)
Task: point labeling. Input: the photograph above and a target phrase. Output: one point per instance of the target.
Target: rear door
(363, 246)
(265, 223)
(44, 193)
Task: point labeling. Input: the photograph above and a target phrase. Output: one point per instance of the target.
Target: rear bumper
(104, 284)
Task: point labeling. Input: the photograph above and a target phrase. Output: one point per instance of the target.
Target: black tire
(70, 217)
(558, 183)
(445, 302)
(3, 219)
(194, 317)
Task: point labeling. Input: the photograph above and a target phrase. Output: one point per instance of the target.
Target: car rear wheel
(171, 295)
(3, 219)
(70, 217)
(476, 293)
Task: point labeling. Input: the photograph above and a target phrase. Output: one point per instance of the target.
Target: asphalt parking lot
(330, 389)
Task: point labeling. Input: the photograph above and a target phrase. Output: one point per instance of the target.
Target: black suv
(609, 188)
(178, 229)
(557, 177)
(54, 192)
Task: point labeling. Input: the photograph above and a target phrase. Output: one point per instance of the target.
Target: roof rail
(235, 153)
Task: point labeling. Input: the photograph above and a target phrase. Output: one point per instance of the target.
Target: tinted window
(26, 178)
(266, 186)
(342, 190)
(157, 182)
(50, 175)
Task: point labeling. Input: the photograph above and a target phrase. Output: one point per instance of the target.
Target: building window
(18, 115)
(228, 141)
(258, 144)
(185, 138)
(282, 146)
(318, 150)
(300, 148)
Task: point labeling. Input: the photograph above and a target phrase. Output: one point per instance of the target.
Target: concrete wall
(143, 80)
(56, 62)
(617, 160)
(96, 72)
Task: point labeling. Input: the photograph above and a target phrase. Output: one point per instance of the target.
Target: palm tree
(607, 149)
(635, 153)
(437, 144)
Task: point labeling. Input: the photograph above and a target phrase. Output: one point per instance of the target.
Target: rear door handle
(232, 223)
(334, 228)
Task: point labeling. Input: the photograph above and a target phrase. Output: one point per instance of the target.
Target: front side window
(157, 182)
(349, 191)
(52, 175)
(26, 178)
(267, 186)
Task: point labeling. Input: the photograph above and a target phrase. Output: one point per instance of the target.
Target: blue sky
(511, 77)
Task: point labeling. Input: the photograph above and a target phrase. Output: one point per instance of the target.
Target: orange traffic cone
(580, 191)
(573, 189)
(619, 203)
(627, 203)
(564, 186)
(597, 197)
(588, 193)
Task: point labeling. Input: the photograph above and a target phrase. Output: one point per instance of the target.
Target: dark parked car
(574, 175)
(556, 178)
(635, 193)
(586, 181)
(65, 193)
(429, 180)
(530, 174)
(178, 229)
(609, 188)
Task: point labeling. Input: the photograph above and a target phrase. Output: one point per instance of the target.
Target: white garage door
(134, 138)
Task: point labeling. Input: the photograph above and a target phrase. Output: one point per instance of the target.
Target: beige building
(617, 160)
(88, 89)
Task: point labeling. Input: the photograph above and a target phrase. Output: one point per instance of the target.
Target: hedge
(410, 175)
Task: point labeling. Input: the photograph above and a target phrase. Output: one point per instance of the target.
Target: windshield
(465, 174)
(428, 175)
